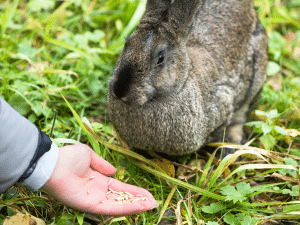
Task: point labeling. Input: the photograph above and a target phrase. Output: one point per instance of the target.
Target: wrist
(43, 170)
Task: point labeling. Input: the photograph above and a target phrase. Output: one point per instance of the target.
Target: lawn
(69, 48)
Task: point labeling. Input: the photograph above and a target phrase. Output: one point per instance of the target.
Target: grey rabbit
(191, 69)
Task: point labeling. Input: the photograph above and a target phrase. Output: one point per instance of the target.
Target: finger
(101, 165)
(134, 190)
(115, 208)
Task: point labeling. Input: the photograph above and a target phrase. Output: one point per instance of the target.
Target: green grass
(70, 48)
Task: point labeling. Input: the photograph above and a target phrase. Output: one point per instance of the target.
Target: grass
(70, 48)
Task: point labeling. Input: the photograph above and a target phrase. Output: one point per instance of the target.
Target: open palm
(80, 181)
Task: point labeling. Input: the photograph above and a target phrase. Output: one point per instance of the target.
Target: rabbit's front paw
(235, 134)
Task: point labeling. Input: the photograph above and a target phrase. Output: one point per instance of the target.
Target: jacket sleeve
(27, 155)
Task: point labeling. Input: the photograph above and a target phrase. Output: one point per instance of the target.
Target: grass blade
(167, 202)
(181, 183)
(92, 140)
(8, 15)
(123, 150)
(92, 58)
(135, 19)
(54, 16)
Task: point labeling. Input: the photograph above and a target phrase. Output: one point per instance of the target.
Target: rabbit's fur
(190, 69)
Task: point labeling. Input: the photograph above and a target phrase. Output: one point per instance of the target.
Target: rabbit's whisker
(160, 104)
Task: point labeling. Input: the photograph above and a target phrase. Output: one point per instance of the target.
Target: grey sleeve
(27, 155)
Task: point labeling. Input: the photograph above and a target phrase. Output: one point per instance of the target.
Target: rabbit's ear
(181, 16)
(154, 12)
(158, 5)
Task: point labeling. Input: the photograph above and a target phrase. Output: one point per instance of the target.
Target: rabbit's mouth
(136, 96)
(140, 101)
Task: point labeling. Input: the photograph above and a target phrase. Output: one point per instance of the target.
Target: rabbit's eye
(160, 59)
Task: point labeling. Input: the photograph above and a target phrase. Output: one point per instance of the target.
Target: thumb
(101, 165)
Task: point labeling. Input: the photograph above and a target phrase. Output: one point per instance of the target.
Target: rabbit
(188, 75)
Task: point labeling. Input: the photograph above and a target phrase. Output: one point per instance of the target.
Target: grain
(123, 197)
(109, 182)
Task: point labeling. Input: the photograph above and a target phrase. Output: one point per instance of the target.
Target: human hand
(75, 184)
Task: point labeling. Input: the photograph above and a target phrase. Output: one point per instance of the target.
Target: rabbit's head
(154, 62)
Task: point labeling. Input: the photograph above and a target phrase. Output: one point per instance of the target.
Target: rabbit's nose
(120, 90)
(124, 98)
(122, 81)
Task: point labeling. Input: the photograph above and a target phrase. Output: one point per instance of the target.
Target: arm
(27, 155)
